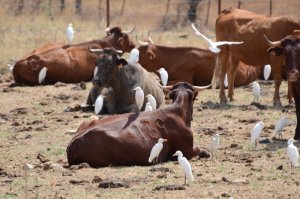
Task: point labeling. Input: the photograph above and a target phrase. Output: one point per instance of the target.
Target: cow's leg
(89, 99)
(233, 64)
(222, 64)
(290, 93)
(276, 67)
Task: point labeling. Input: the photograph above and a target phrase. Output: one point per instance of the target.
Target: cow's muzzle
(293, 76)
(96, 81)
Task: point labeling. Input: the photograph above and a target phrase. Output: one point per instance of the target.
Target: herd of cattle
(189, 70)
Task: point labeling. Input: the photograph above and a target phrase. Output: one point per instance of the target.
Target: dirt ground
(36, 124)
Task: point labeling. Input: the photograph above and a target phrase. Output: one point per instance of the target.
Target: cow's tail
(215, 80)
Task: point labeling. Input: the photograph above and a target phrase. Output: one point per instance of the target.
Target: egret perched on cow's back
(213, 46)
(256, 132)
(152, 101)
(134, 56)
(148, 107)
(267, 71)
(256, 91)
(281, 123)
(70, 33)
(156, 149)
(42, 75)
(226, 81)
(185, 166)
(139, 97)
(163, 76)
(292, 153)
(99, 104)
(214, 145)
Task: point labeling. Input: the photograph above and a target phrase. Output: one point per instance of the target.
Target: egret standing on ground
(213, 46)
(152, 101)
(99, 104)
(214, 145)
(70, 33)
(148, 107)
(134, 56)
(256, 132)
(256, 91)
(139, 97)
(185, 166)
(42, 75)
(281, 123)
(267, 71)
(292, 153)
(226, 81)
(163, 76)
(156, 149)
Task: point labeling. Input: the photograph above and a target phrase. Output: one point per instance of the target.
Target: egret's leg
(184, 179)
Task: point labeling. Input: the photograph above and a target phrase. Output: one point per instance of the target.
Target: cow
(123, 77)
(289, 47)
(240, 25)
(127, 139)
(193, 65)
(67, 63)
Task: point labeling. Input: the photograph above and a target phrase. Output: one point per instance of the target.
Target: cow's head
(147, 49)
(184, 94)
(108, 64)
(289, 47)
(119, 39)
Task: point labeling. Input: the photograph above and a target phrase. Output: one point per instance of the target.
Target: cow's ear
(195, 94)
(275, 51)
(122, 62)
(151, 54)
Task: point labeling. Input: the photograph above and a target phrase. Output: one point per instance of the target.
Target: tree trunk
(192, 12)
(62, 5)
(78, 7)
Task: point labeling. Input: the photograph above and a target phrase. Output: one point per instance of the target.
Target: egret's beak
(175, 154)
(165, 140)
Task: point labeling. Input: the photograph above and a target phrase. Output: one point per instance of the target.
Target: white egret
(163, 76)
(185, 166)
(256, 91)
(267, 71)
(152, 101)
(156, 149)
(226, 81)
(139, 97)
(134, 56)
(256, 132)
(148, 107)
(281, 123)
(99, 104)
(95, 71)
(214, 145)
(42, 75)
(70, 33)
(213, 46)
(292, 153)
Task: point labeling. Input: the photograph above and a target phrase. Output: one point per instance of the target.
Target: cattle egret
(70, 33)
(163, 76)
(226, 81)
(256, 132)
(213, 46)
(152, 101)
(42, 75)
(256, 91)
(185, 166)
(134, 56)
(214, 145)
(95, 71)
(267, 71)
(139, 97)
(148, 107)
(156, 149)
(99, 104)
(292, 153)
(281, 123)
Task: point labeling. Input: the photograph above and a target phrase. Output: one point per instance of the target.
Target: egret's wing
(220, 43)
(197, 32)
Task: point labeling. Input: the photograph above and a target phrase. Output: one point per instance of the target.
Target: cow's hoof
(277, 104)
(203, 154)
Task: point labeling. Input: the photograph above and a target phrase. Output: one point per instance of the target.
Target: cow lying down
(127, 139)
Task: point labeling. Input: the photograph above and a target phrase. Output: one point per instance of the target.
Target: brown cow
(193, 65)
(127, 139)
(289, 47)
(240, 25)
(67, 63)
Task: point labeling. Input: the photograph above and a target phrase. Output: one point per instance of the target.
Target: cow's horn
(200, 88)
(149, 38)
(96, 50)
(164, 87)
(129, 31)
(272, 43)
(117, 51)
(142, 43)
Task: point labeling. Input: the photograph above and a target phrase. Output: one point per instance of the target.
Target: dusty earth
(36, 124)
